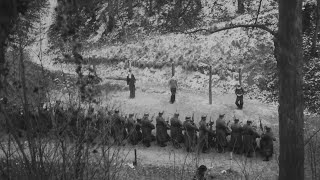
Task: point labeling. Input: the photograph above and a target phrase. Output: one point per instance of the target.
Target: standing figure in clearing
(239, 92)
(131, 80)
(173, 87)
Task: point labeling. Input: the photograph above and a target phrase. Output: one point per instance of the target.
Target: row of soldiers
(242, 140)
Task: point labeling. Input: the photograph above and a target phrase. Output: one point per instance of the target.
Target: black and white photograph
(159, 89)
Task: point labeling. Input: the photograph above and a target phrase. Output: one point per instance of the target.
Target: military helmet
(188, 118)
(146, 114)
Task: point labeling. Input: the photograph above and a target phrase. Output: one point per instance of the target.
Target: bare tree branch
(310, 138)
(259, 26)
(258, 12)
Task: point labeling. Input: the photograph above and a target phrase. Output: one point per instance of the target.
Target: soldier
(239, 93)
(221, 130)
(176, 131)
(118, 123)
(211, 135)
(266, 143)
(162, 127)
(131, 80)
(147, 127)
(173, 88)
(249, 136)
(235, 144)
(130, 125)
(203, 135)
(190, 134)
(138, 138)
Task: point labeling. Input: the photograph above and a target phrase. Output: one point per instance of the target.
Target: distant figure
(131, 80)
(239, 92)
(173, 87)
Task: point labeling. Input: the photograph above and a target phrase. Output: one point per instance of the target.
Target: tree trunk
(240, 7)
(315, 35)
(291, 123)
(210, 85)
(240, 77)
(173, 69)
(130, 8)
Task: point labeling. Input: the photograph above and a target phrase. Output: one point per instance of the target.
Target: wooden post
(240, 77)
(210, 85)
(173, 70)
(135, 157)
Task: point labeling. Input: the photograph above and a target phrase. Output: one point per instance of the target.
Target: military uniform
(221, 130)
(190, 134)
(203, 135)
(235, 144)
(130, 125)
(176, 131)
(161, 134)
(147, 127)
(118, 128)
(266, 144)
(249, 136)
(131, 80)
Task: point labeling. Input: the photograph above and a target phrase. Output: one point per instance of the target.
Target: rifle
(192, 117)
(261, 127)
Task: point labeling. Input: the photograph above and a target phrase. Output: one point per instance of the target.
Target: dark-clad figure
(130, 125)
(162, 127)
(147, 127)
(239, 93)
(176, 130)
(266, 143)
(221, 130)
(211, 135)
(118, 127)
(235, 144)
(190, 134)
(249, 136)
(203, 135)
(173, 84)
(131, 80)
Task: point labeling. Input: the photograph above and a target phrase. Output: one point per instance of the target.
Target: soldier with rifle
(161, 133)
(118, 123)
(203, 135)
(222, 130)
(266, 142)
(147, 127)
(249, 136)
(211, 134)
(176, 130)
(190, 134)
(235, 144)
